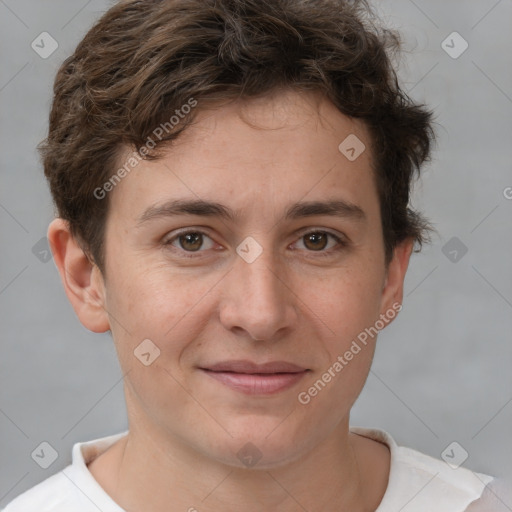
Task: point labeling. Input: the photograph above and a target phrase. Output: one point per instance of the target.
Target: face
(281, 265)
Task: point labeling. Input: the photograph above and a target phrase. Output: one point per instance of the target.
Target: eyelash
(342, 244)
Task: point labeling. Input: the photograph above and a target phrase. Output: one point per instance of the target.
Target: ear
(393, 290)
(82, 280)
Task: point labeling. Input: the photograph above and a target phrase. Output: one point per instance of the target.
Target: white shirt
(417, 482)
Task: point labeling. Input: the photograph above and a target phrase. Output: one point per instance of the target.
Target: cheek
(140, 307)
(156, 304)
(154, 319)
(346, 303)
(348, 307)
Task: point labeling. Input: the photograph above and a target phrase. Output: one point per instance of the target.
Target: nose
(257, 300)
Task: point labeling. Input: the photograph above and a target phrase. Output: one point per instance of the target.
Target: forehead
(266, 151)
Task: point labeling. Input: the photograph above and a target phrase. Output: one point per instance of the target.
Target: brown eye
(322, 242)
(187, 243)
(191, 241)
(316, 241)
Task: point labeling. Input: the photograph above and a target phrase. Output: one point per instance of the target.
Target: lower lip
(257, 384)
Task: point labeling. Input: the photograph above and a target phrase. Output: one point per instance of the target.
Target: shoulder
(441, 478)
(73, 489)
(417, 481)
(55, 494)
(496, 498)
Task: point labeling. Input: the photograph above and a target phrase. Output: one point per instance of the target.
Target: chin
(263, 444)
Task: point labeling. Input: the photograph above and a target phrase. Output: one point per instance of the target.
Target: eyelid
(180, 253)
(314, 229)
(167, 241)
(340, 238)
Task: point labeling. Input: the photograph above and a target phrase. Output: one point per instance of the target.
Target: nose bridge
(260, 278)
(257, 299)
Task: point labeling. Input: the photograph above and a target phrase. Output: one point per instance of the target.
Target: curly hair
(144, 59)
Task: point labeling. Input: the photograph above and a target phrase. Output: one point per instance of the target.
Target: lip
(256, 379)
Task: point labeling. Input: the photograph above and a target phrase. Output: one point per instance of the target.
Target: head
(232, 181)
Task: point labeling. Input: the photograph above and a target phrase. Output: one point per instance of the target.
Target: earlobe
(82, 280)
(393, 290)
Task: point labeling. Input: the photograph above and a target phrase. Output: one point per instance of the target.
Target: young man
(232, 180)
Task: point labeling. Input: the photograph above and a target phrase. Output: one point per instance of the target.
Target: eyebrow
(335, 208)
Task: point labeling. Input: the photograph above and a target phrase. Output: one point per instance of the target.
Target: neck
(148, 470)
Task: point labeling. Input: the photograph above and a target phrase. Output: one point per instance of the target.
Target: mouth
(256, 379)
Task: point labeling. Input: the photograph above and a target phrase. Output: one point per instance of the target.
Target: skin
(291, 304)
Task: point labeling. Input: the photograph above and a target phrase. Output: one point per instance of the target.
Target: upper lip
(243, 366)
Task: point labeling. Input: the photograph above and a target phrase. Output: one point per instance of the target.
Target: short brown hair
(144, 59)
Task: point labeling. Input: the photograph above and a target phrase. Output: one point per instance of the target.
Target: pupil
(192, 238)
(315, 237)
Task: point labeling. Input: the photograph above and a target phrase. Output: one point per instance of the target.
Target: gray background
(442, 370)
